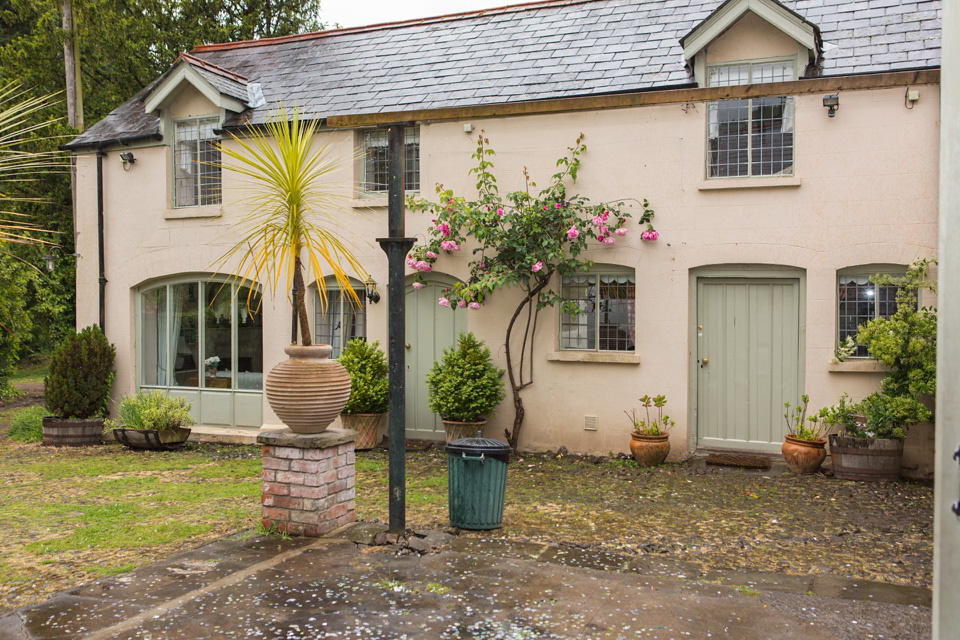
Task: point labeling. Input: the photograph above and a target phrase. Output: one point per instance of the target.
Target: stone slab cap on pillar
(322, 440)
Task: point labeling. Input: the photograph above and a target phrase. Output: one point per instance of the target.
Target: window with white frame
(196, 151)
(376, 163)
(755, 136)
(343, 319)
(859, 301)
(598, 311)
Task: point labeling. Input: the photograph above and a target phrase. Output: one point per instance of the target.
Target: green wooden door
(430, 329)
(747, 359)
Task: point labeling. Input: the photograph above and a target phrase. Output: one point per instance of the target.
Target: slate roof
(548, 50)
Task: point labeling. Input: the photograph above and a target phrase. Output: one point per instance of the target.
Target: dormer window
(196, 179)
(752, 137)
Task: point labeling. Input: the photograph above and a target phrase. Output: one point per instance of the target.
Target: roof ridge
(209, 66)
(450, 17)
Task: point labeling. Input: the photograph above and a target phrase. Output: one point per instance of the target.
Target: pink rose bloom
(423, 265)
(621, 231)
(418, 285)
(572, 232)
(649, 235)
(474, 305)
(597, 221)
(444, 229)
(609, 240)
(600, 238)
(461, 303)
(606, 214)
(559, 205)
(431, 255)
(412, 263)
(500, 212)
(537, 267)
(451, 200)
(448, 245)
(545, 207)
(443, 302)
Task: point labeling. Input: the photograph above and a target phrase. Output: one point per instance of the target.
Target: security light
(832, 103)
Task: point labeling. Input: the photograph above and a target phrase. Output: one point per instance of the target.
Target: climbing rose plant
(521, 239)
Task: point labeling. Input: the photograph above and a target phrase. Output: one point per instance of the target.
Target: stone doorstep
(658, 565)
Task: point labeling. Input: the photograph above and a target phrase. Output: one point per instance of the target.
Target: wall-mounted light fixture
(371, 289)
(832, 103)
(50, 260)
(128, 160)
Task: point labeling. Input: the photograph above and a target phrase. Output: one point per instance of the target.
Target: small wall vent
(589, 423)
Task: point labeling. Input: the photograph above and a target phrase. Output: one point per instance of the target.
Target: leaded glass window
(342, 320)
(376, 164)
(752, 137)
(196, 180)
(859, 302)
(600, 312)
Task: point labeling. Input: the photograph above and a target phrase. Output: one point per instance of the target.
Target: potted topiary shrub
(804, 447)
(153, 421)
(649, 441)
(464, 387)
(870, 446)
(77, 389)
(369, 390)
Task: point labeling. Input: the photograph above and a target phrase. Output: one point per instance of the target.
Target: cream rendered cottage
(774, 207)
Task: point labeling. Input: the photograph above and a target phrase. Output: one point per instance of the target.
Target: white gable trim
(724, 17)
(185, 73)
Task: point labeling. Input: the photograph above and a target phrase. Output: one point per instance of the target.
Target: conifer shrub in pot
(369, 391)
(649, 440)
(153, 421)
(870, 446)
(804, 446)
(464, 387)
(77, 389)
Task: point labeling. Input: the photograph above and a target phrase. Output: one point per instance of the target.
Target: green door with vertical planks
(430, 329)
(748, 361)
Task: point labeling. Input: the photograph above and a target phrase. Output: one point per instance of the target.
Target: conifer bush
(369, 384)
(464, 385)
(81, 376)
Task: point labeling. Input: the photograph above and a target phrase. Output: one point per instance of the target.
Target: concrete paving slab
(332, 588)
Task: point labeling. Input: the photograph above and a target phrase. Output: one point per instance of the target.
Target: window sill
(373, 202)
(206, 211)
(858, 365)
(601, 357)
(749, 183)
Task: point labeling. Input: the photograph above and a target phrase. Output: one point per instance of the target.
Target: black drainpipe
(101, 154)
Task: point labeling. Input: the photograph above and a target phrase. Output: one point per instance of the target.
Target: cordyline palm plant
(285, 169)
(19, 118)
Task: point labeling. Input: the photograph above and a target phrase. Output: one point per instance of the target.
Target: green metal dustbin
(477, 482)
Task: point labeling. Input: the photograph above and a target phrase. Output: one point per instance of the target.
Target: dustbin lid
(478, 446)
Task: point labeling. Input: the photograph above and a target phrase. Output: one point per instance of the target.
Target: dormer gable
(750, 30)
(224, 89)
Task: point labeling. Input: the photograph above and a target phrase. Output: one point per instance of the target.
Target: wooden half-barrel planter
(60, 432)
(866, 458)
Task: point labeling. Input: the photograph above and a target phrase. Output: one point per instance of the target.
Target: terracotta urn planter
(649, 451)
(308, 390)
(367, 426)
(803, 457)
(457, 430)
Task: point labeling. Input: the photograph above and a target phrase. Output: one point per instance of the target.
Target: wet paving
(266, 587)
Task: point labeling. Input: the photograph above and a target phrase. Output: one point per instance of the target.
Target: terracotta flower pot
(308, 390)
(649, 451)
(803, 456)
(367, 426)
(456, 430)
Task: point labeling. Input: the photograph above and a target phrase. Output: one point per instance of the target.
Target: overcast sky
(356, 13)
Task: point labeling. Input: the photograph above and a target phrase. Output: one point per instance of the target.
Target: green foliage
(656, 425)
(889, 416)
(27, 424)
(81, 375)
(464, 386)
(14, 317)
(522, 239)
(802, 427)
(907, 341)
(155, 410)
(369, 385)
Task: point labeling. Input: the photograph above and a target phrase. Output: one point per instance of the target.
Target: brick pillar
(308, 481)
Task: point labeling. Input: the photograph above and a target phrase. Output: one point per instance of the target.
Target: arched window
(342, 320)
(201, 333)
(859, 301)
(599, 310)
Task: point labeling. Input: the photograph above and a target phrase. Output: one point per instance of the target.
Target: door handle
(704, 362)
(406, 346)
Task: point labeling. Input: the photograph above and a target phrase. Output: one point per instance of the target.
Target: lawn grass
(73, 515)
(31, 372)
